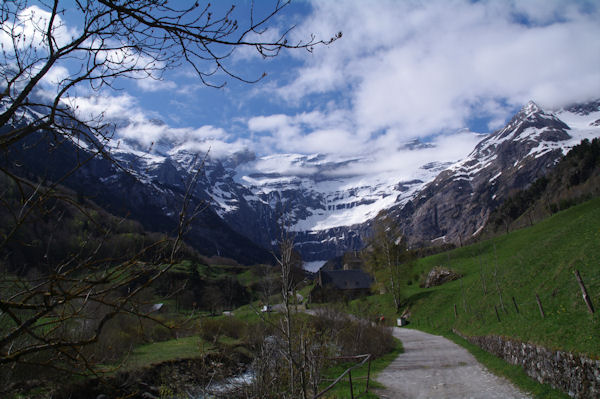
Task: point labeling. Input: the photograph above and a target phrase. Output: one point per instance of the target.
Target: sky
(403, 70)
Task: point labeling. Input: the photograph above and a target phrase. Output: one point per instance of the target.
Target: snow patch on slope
(319, 193)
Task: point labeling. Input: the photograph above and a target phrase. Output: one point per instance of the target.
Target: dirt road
(434, 367)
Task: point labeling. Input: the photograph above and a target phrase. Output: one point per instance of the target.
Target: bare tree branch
(52, 315)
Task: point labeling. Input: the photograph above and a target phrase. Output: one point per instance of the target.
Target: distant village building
(157, 308)
(334, 285)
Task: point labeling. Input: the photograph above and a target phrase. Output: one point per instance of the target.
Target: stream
(228, 385)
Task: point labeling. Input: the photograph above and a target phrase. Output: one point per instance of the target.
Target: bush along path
(435, 367)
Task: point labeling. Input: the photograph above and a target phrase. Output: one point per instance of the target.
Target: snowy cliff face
(325, 201)
(328, 202)
(320, 200)
(315, 197)
(330, 208)
(456, 205)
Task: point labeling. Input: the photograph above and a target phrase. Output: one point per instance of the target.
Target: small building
(332, 285)
(266, 308)
(157, 308)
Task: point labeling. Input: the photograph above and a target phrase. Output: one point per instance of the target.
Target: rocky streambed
(203, 377)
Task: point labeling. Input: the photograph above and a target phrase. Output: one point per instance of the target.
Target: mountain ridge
(328, 207)
(457, 203)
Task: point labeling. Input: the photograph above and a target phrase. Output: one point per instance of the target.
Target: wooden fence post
(537, 298)
(497, 315)
(350, 379)
(496, 279)
(584, 293)
(463, 295)
(368, 374)
(515, 303)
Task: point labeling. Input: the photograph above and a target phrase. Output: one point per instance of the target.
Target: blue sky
(403, 70)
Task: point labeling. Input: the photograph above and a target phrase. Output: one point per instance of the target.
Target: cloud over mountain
(402, 71)
(421, 67)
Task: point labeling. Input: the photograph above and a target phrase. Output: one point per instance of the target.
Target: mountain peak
(530, 108)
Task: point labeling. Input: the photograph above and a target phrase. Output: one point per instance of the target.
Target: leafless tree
(50, 318)
(135, 39)
(388, 256)
(289, 363)
(285, 262)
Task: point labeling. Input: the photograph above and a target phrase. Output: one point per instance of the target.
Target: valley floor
(435, 367)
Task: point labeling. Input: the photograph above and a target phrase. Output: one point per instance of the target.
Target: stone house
(334, 285)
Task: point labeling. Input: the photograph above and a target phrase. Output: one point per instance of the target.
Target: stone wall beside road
(576, 375)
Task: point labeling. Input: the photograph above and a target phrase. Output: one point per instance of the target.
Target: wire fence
(550, 300)
(348, 372)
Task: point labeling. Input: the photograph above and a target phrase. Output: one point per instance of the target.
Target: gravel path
(435, 367)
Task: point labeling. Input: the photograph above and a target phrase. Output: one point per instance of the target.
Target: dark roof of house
(346, 279)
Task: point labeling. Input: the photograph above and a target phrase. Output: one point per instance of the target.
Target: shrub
(212, 329)
(353, 336)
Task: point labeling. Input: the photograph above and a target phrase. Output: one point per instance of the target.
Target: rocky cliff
(325, 201)
(457, 203)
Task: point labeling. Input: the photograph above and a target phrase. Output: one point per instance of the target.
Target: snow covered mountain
(142, 186)
(330, 209)
(326, 207)
(328, 202)
(456, 205)
(313, 196)
(324, 200)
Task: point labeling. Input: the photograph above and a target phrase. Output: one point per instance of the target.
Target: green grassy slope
(540, 259)
(182, 348)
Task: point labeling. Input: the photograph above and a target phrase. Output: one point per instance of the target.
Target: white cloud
(55, 76)
(397, 162)
(421, 68)
(403, 162)
(214, 147)
(268, 123)
(333, 135)
(328, 132)
(29, 29)
(162, 138)
(110, 107)
(140, 130)
(151, 84)
(284, 165)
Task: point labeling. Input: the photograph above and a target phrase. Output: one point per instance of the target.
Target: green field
(182, 348)
(537, 260)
